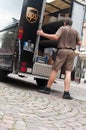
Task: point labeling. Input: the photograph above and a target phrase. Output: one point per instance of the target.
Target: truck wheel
(41, 82)
(3, 75)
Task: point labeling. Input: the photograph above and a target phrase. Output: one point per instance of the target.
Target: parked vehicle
(22, 51)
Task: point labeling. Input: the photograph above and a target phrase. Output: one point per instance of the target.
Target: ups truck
(22, 51)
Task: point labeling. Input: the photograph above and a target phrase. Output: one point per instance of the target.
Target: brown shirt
(68, 37)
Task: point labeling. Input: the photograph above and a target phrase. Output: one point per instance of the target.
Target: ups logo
(31, 14)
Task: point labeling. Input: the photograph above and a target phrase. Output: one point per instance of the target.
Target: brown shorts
(65, 59)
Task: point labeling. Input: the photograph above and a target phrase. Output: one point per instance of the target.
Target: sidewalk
(23, 108)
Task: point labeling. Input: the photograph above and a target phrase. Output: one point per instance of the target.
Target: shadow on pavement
(21, 83)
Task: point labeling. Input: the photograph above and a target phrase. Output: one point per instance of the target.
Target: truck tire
(3, 75)
(41, 83)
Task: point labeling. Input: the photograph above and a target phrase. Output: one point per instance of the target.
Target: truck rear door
(29, 23)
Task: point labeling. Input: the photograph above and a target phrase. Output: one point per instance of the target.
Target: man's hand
(77, 52)
(40, 32)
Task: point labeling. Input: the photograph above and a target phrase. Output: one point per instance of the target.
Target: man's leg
(52, 78)
(67, 81)
(46, 90)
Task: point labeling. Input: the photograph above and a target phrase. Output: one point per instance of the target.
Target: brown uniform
(66, 46)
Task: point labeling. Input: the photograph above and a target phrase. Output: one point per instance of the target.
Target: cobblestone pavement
(23, 108)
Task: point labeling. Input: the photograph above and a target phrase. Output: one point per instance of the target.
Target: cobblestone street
(23, 108)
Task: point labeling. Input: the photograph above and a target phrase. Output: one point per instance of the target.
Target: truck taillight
(23, 67)
(20, 33)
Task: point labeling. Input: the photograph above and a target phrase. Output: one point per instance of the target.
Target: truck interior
(53, 19)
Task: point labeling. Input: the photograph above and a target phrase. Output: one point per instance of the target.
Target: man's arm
(78, 39)
(49, 36)
(79, 43)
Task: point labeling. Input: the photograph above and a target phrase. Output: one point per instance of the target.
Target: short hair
(68, 21)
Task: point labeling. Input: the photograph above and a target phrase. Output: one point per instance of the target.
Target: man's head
(68, 21)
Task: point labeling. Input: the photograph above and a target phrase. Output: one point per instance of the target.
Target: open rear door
(29, 22)
(78, 14)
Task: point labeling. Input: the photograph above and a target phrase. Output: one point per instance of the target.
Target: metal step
(42, 69)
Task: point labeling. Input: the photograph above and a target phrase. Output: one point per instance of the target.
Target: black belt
(66, 48)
